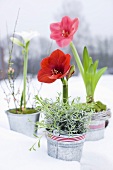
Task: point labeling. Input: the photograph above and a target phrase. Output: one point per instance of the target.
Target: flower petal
(66, 23)
(55, 76)
(43, 76)
(54, 27)
(75, 24)
(27, 36)
(66, 63)
(55, 31)
(64, 42)
(56, 36)
(44, 63)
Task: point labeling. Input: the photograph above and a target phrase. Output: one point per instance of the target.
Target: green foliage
(99, 106)
(17, 42)
(91, 76)
(66, 118)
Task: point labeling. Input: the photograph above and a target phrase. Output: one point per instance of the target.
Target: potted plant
(21, 118)
(63, 33)
(66, 121)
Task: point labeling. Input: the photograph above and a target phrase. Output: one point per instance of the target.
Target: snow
(14, 147)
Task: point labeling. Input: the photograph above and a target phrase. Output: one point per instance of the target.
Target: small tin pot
(23, 123)
(97, 126)
(96, 131)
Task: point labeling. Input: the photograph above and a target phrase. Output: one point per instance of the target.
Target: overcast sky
(38, 14)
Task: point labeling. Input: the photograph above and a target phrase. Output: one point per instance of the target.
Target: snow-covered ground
(98, 155)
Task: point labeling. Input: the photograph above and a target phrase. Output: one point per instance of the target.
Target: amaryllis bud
(71, 72)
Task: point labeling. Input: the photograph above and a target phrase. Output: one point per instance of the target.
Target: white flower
(27, 36)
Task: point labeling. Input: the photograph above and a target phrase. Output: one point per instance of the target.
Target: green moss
(96, 106)
(26, 111)
(99, 106)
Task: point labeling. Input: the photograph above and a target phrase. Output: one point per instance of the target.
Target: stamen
(65, 33)
(55, 72)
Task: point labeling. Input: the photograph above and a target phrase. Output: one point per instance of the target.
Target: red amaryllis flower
(63, 31)
(54, 67)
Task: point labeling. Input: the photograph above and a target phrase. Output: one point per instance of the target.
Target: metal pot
(23, 123)
(96, 131)
(97, 126)
(68, 148)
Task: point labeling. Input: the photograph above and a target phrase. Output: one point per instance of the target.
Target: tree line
(98, 47)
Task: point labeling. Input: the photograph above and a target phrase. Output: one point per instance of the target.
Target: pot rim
(26, 114)
(67, 135)
(102, 115)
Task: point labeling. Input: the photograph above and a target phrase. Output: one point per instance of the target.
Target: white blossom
(27, 36)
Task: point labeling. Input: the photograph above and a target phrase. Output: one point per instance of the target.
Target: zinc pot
(23, 123)
(97, 126)
(65, 147)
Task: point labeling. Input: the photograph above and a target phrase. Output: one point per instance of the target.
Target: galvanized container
(68, 148)
(96, 131)
(23, 123)
(97, 126)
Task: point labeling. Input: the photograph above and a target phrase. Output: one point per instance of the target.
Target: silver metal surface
(95, 134)
(23, 123)
(68, 151)
(98, 119)
(102, 115)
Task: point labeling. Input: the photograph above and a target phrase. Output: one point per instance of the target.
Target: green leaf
(85, 59)
(98, 75)
(16, 41)
(27, 44)
(95, 65)
(91, 69)
(39, 144)
(90, 61)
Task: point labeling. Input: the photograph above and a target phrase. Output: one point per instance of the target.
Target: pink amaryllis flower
(54, 67)
(63, 31)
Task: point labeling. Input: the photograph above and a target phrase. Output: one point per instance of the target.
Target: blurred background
(95, 30)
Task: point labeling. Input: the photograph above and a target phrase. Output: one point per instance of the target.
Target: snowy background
(37, 15)
(14, 147)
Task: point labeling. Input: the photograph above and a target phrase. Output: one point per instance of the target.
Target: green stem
(25, 76)
(77, 59)
(65, 90)
(89, 92)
